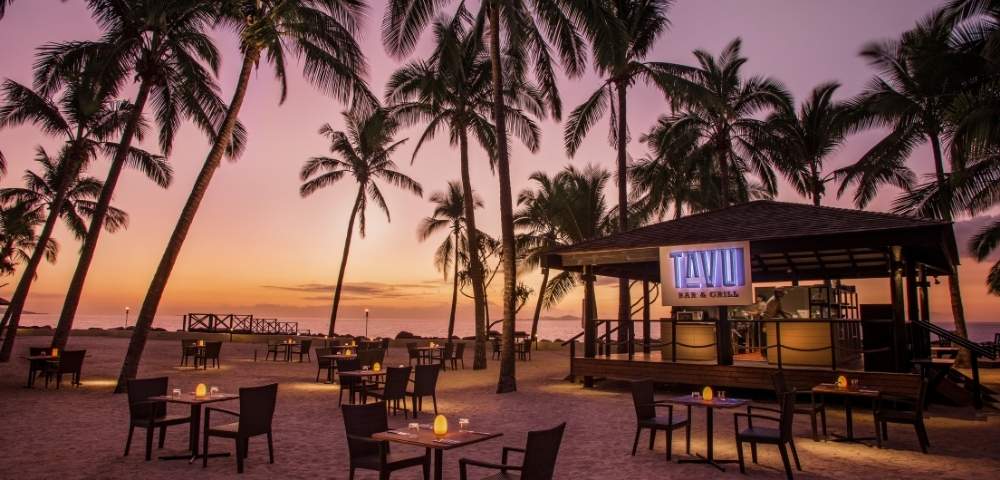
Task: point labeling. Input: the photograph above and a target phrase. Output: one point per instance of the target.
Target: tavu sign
(707, 274)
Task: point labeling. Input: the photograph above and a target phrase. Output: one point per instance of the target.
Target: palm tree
(41, 192)
(920, 76)
(321, 33)
(622, 64)
(18, 221)
(803, 140)
(723, 108)
(85, 116)
(449, 213)
(677, 173)
(453, 89)
(165, 45)
(528, 28)
(364, 152)
(537, 218)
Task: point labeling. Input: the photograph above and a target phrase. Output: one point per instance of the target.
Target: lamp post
(126, 316)
(366, 323)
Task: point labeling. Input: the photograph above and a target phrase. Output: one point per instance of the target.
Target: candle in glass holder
(200, 390)
(706, 393)
(440, 425)
(55, 352)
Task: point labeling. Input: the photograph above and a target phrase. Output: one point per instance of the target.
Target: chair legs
(163, 436)
(922, 436)
(670, 443)
(739, 455)
(128, 442)
(784, 460)
(795, 455)
(241, 454)
(270, 449)
(635, 444)
(149, 444)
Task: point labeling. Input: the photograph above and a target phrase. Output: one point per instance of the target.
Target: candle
(200, 390)
(440, 425)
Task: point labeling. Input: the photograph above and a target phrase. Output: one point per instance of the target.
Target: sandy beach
(80, 432)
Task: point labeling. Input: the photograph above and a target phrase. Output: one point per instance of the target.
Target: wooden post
(724, 338)
(646, 326)
(898, 309)
(589, 321)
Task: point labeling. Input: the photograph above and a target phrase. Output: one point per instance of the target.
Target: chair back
(71, 361)
(348, 366)
(379, 355)
(425, 379)
(496, 344)
(306, 346)
(540, 454)
(212, 349)
(364, 421)
(787, 405)
(918, 407)
(322, 352)
(396, 379)
(460, 350)
(449, 350)
(257, 409)
(139, 390)
(366, 358)
(187, 345)
(411, 349)
(527, 344)
(385, 343)
(643, 397)
(780, 386)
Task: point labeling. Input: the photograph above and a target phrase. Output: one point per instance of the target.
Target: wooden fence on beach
(236, 323)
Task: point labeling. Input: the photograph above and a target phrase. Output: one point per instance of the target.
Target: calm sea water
(549, 329)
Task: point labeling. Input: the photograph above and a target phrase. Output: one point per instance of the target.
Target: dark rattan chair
(907, 411)
(351, 384)
(272, 350)
(188, 350)
(524, 349)
(413, 354)
(446, 354)
(210, 352)
(425, 379)
(254, 419)
(458, 356)
(360, 423)
(539, 463)
(69, 362)
(324, 363)
(144, 413)
(644, 401)
(495, 343)
(813, 408)
(302, 350)
(394, 390)
(779, 436)
(36, 367)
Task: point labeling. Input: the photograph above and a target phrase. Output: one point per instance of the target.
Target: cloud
(966, 229)
(363, 290)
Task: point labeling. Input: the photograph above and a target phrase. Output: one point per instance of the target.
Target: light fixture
(440, 426)
(842, 381)
(55, 352)
(200, 390)
(376, 367)
(706, 393)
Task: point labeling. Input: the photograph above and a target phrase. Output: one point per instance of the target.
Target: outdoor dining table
(426, 438)
(428, 352)
(336, 358)
(849, 393)
(287, 347)
(710, 406)
(196, 403)
(36, 359)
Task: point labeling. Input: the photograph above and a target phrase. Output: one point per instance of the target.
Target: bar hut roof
(788, 241)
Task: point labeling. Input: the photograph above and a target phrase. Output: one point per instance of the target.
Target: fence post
(673, 340)
(833, 346)
(777, 339)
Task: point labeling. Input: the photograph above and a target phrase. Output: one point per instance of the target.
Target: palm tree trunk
(508, 380)
(817, 184)
(624, 299)
(475, 266)
(538, 304)
(343, 260)
(130, 367)
(454, 289)
(724, 177)
(17, 301)
(955, 292)
(97, 222)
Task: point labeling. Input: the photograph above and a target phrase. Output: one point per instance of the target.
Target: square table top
(338, 357)
(191, 399)
(832, 388)
(715, 402)
(41, 357)
(362, 373)
(425, 438)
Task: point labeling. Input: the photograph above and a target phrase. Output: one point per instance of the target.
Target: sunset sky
(257, 247)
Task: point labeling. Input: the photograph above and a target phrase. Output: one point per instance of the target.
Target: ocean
(548, 328)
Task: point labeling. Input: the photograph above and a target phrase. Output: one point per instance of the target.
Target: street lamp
(366, 323)
(126, 316)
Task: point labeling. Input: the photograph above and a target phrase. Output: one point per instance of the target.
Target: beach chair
(144, 413)
(539, 458)
(253, 419)
(363, 421)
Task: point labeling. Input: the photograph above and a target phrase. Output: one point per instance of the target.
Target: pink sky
(254, 232)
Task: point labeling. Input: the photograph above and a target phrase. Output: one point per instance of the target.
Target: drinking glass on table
(364, 368)
(177, 392)
(463, 424)
(414, 426)
(696, 395)
(722, 394)
(214, 391)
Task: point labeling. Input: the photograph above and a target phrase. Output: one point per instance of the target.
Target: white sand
(80, 432)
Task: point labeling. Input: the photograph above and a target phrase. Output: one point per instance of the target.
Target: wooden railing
(975, 351)
(236, 323)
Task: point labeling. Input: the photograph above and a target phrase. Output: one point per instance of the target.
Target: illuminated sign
(705, 275)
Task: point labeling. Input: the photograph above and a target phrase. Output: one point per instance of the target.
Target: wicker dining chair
(302, 350)
(363, 421)
(69, 362)
(324, 363)
(36, 367)
(813, 408)
(148, 414)
(905, 410)
(644, 401)
(189, 348)
(425, 379)
(210, 352)
(353, 385)
(394, 390)
(272, 350)
(458, 356)
(413, 354)
(254, 419)
(539, 461)
(780, 436)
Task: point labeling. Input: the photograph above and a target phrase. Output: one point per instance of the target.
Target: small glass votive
(177, 392)
(722, 394)
(214, 391)
(414, 426)
(463, 424)
(855, 382)
(364, 368)
(695, 395)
